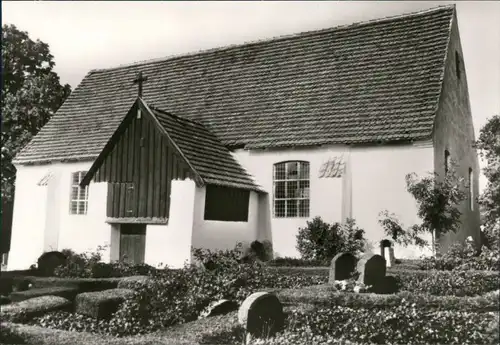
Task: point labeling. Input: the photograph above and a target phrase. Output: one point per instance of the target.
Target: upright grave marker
(342, 267)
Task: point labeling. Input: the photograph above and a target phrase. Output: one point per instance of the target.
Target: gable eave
(138, 104)
(108, 148)
(145, 108)
(453, 18)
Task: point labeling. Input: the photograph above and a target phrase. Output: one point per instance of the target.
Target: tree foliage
(31, 93)
(438, 200)
(489, 146)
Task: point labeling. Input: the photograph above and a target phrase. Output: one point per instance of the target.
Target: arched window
(291, 189)
(471, 189)
(446, 161)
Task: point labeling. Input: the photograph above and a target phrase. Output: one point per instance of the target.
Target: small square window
(304, 208)
(279, 172)
(292, 170)
(279, 208)
(291, 208)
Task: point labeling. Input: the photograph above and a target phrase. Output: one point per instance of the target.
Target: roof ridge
(277, 38)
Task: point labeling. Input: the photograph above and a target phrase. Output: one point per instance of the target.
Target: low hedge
(132, 282)
(303, 271)
(61, 291)
(403, 324)
(8, 279)
(82, 284)
(328, 295)
(296, 262)
(101, 304)
(439, 283)
(442, 283)
(24, 310)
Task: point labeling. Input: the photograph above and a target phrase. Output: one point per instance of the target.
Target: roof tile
(374, 81)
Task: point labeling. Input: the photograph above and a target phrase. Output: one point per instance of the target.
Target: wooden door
(132, 243)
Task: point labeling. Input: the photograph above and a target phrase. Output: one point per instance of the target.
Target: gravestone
(371, 268)
(220, 307)
(49, 261)
(342, 267)
(388, 285)
(261, 315)
(387, 251)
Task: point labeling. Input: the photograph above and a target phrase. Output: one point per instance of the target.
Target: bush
(89, 265)
(321, 241)
(463, 257)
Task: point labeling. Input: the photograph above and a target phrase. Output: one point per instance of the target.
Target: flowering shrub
(89, 265)
(321, 241)
(351, 285)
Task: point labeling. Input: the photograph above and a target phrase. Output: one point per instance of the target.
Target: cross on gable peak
(139, 80)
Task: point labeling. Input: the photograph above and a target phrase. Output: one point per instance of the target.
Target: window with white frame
(291, 189)
(79, 197)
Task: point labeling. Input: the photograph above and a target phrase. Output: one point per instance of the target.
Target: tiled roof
(362, 83)
(210, 159)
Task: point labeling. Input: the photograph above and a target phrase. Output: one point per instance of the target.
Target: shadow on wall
(264, 231)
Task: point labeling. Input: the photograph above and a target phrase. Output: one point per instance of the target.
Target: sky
(85, 35)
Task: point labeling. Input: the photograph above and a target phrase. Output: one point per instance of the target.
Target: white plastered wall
(28, 221)
(171, 244)
(42, 221)
(222, 235)
(376, 182)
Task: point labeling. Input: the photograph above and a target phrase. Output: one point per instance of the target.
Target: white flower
(357, 289)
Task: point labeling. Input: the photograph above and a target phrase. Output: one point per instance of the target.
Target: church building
(249, 142)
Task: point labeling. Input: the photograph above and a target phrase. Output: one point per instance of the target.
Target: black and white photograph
(250, 172)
